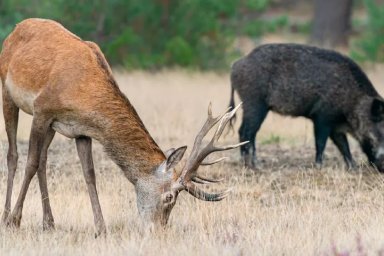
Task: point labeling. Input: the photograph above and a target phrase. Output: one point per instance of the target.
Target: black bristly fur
(322, 85)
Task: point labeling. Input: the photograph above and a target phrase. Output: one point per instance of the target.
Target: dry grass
(289, 208)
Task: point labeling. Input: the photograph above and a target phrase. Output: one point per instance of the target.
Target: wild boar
(322, 85)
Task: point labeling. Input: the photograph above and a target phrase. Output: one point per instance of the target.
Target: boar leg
(341, 142)
(322, 132)
(253, 117)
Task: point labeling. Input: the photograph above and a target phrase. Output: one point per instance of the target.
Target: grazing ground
(287, 208)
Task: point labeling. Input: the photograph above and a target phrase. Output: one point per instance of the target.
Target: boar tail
(232, 106)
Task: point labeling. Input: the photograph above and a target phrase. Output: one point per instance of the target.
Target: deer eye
(168, 198)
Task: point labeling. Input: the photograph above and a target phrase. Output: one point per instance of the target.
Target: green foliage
(178, 50)
(257, 28)
(272, 139)
(9, 16)
(371, 46)
(152, 33)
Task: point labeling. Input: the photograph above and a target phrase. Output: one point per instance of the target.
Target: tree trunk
(331, 22)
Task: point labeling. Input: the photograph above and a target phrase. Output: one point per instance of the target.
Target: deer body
(68, 87)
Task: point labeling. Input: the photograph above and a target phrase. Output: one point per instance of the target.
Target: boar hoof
(318, 166)
(352, 167)
(250, 162)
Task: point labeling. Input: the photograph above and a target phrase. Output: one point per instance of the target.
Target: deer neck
(127, 141)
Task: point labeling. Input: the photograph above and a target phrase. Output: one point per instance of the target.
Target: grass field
(287, 208)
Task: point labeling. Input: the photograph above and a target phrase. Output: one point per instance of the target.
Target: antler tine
(209, 123)
(202, 195)
(203, 180)
(224, 120)
(198, 154)
(214, 161)
(230, 146)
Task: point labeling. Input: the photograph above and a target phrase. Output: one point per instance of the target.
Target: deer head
(157, 195)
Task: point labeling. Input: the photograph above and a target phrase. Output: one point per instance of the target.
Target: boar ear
(377, 110)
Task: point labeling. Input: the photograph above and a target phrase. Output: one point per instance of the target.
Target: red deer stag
(68, 87)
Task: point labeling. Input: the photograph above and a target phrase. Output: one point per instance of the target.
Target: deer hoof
(101, 232)
(4, 217)
(48, 225)
(13, 221)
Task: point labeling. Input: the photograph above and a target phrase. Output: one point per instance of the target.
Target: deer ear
(174, 158)
(169, 152)
(377, 110)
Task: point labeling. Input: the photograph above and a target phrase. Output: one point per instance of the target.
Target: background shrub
(151, 33)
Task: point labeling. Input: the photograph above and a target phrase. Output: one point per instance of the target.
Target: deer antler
(199, 153)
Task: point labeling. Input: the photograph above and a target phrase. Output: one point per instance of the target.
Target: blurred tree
(370, 46)
(151, 34)
(331, 23)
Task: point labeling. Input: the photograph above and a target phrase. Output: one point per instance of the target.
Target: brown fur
(68, 87)
(83, 85)
(73, 83)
